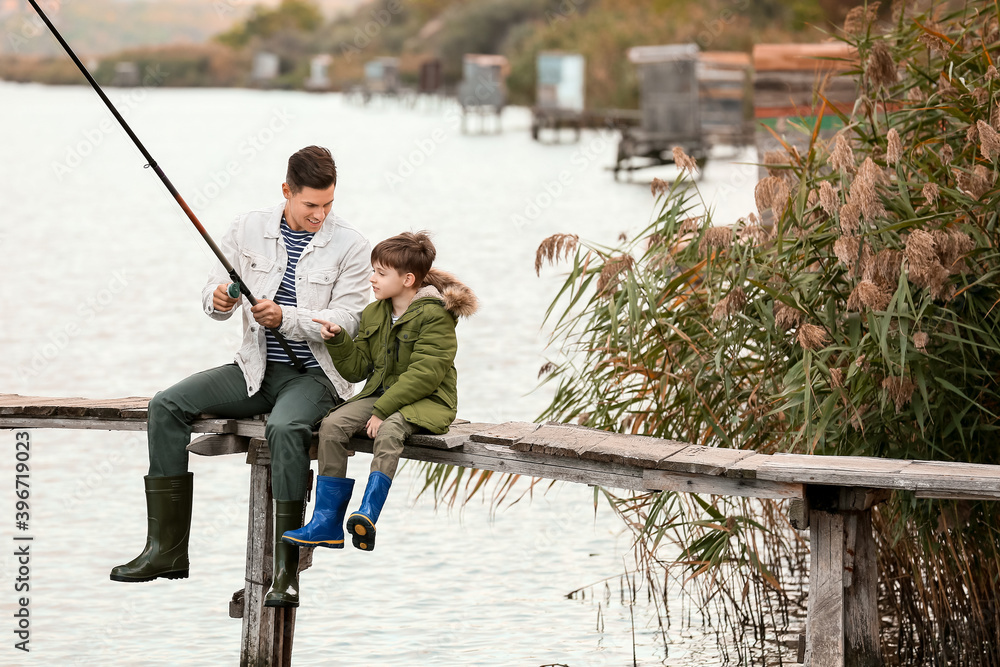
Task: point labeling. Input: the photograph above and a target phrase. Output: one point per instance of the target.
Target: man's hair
(311, 167)
(408, 252)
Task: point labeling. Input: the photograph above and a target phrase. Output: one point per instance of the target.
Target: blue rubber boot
(361, 524)
(326, 528)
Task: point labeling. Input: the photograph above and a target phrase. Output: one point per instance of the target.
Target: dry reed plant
(864, 319)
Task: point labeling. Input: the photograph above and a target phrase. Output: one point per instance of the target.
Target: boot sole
(362, 531)
(281, 603)
(331, 544)
(176, 574)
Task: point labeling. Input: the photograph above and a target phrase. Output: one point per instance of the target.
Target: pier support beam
(842, 625)
(267, 631)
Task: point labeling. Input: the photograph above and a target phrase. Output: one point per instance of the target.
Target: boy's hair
(311, 167)
(408, 252)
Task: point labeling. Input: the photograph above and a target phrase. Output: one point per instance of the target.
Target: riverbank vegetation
(415, 30)
(856, 312)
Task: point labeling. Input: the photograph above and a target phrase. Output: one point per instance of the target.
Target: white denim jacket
(331, 283)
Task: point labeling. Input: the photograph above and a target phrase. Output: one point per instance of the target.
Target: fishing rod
(151, 164)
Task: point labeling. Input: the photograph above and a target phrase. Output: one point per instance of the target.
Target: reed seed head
(850, 218)
(716, 237)
(894, 147)
(692, 224)
(554, 246)
(931, 192)
(989, 140)
(846, 249)
(868, 295)
(659, 187)
(899, 390)
(684, 161)
(881, 67)
(610, 276)
(885, 269)
(732, 303)
(946, 154)
(842, 157)
(786, 317)
(812, 336)
(836, 377)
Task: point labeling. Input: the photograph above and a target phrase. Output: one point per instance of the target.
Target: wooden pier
(834, 497)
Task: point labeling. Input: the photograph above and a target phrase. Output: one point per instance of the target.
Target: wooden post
(268, 632)
(842, 623)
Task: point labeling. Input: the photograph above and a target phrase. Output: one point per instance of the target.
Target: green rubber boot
(285, 582)
(168, 527)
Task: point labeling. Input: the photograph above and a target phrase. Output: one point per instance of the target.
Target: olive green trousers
(295, 400)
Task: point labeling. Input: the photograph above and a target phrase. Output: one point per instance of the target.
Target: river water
(101, 276)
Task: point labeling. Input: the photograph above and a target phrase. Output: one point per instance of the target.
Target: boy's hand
(372, 426)
(328, 330)
(221, 301)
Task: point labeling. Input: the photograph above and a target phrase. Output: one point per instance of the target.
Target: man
(301, 262)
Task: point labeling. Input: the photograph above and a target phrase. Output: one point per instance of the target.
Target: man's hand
(328, 329)
(267, 313)
(221, 301)
(372, 426)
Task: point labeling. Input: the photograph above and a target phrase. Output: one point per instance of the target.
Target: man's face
(306, 209)
(388, 282)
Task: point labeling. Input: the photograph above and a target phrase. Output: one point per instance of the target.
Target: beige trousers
(350, 418)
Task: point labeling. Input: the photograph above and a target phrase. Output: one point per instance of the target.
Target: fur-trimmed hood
(458, 298)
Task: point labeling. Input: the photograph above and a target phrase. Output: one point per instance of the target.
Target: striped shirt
(295, 243)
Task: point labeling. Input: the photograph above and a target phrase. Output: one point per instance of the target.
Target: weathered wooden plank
(458, 434)
(634, 450)
(29, 421)
(825, 615)
(556, 440)
(503, 434)
(704, 460)
(14, 404)
(667, 480)
(747, 468)
(945, 494)
(951, 479)
(833, 470)
(219, 444)
(501, 458)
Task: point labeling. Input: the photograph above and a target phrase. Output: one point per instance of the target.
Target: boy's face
(388, 282)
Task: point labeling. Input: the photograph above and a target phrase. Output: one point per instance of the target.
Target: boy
(405, 348)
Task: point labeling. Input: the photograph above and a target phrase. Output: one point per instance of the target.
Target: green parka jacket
(411, 362)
